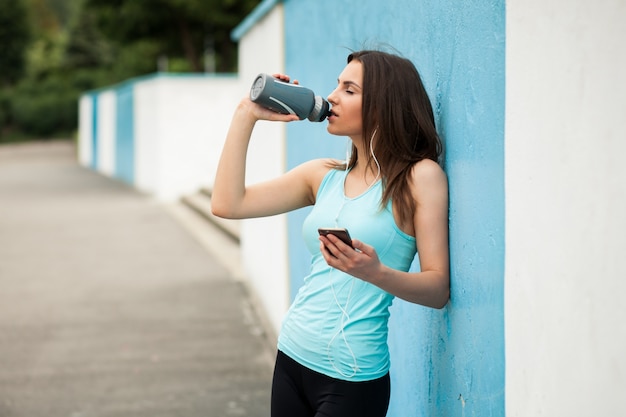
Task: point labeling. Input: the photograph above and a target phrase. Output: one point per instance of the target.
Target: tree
(14, 38)
(86, 47)
(180, 28)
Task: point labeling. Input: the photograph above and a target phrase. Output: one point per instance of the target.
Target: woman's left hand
(361, 262)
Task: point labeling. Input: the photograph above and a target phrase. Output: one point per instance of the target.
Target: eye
(350, 92)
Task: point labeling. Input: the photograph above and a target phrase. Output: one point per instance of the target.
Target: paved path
(109, 307)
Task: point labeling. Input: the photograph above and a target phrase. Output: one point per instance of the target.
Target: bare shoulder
(317, 167)
(322, 166)
(428, 170)
(312, 173)
(428, 178)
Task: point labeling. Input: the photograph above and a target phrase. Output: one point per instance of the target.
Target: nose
(331, 97)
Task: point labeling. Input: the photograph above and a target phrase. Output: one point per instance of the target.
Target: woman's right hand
(259, 112)
(231, 197)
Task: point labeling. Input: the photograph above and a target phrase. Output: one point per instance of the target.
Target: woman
(391, 195)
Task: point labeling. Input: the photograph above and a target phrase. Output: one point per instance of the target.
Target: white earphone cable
(344, 309)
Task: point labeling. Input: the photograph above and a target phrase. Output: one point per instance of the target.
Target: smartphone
(340, 232)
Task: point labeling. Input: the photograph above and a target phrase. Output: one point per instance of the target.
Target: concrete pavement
(109, 307)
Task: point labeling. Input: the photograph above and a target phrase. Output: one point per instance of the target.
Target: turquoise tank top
(337, 324)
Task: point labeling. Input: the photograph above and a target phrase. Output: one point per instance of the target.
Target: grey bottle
(286, 98)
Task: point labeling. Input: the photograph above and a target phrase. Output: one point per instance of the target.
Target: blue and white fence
(160, 133)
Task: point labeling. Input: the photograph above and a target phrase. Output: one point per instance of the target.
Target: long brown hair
(398, 117)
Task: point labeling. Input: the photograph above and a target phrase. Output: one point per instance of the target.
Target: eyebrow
(348, 83)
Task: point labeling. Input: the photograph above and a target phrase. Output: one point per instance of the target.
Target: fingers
(362, 247)
(361, 261)
(262, 113)
(273, 116)
(336, 252)
(284, 77)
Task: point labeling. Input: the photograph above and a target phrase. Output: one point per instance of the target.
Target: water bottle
(286, 98)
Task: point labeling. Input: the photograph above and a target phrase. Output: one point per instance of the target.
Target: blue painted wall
(94, 131)
(448, 362)
(124, 133)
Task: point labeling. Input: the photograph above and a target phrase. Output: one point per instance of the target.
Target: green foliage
(136, 58)
(182, 28)
(80, 45)
(46, 55)
(87, 47)
(14, 37)
(47, 107)
(5, 106)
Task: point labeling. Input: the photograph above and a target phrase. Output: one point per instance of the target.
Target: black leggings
(300, 392)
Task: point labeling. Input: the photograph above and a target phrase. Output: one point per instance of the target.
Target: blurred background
(528, 95)
(53, 50)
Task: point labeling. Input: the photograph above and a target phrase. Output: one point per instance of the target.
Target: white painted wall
(264, 241)
(106, 133)
(85, 123)
(180, 124)
(147, 126)
(565, 208)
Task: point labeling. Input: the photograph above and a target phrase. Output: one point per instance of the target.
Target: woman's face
(347, 102)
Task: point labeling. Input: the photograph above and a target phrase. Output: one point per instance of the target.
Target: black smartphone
(340, 232)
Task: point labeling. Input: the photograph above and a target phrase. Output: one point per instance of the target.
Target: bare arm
(431, 286)
(231, 198)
